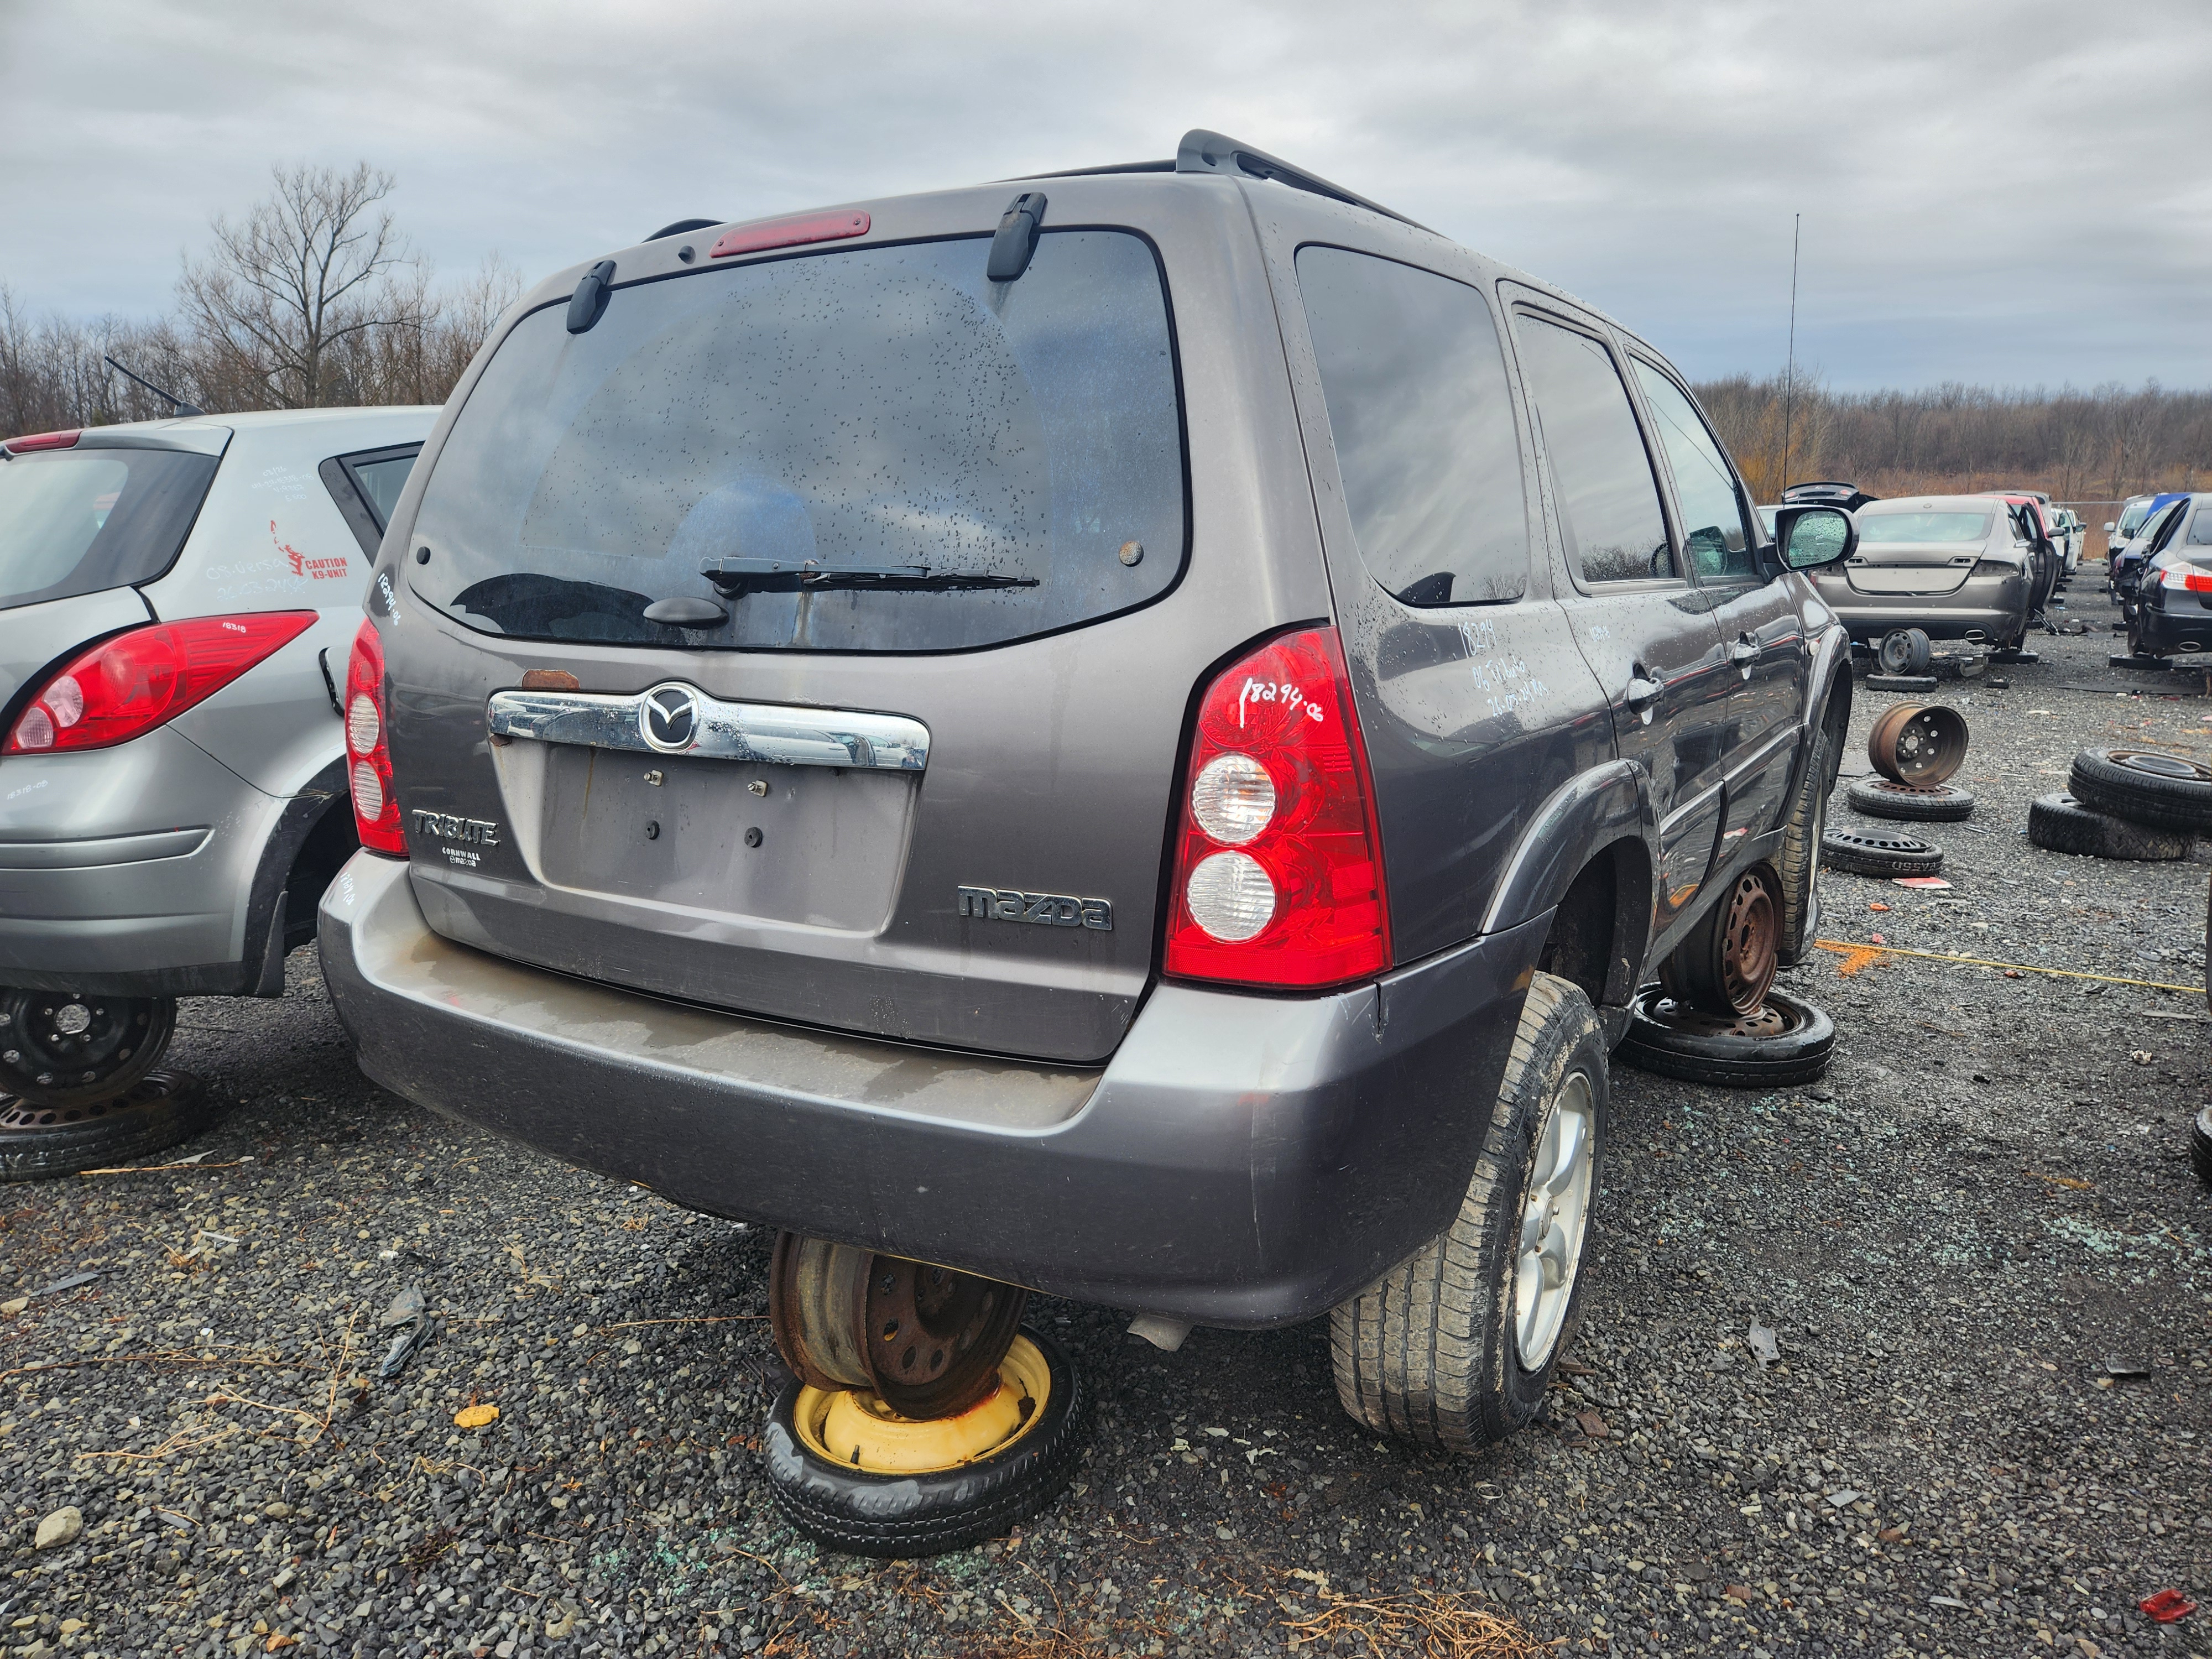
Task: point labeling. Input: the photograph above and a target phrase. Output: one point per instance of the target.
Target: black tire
(1911, 802)
(46, 1063)
(1430, 1352)
(1880, 856)
(37, 1142)
(1798, 862)
(907, 1517)
(2144, 785)
(1788, 1042)
(2200, 1146)
(2060, 824)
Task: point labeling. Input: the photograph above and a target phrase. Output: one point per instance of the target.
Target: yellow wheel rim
(858, 1432)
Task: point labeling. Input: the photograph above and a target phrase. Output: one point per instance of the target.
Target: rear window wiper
(735, 578)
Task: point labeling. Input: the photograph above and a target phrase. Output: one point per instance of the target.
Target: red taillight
(130, 684)
(368, 748)
(1279, 862)
(44, 440)
(790, 232)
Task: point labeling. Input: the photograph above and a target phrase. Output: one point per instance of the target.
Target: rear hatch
(915, 779)
(1929, 551)
(83, 522)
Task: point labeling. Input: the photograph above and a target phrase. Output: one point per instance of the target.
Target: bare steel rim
(1554, 1220)
(1918, 743)
(1751, 942)
(925, 1340)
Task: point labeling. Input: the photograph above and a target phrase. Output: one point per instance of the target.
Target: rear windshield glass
(77, 521)
(873, 450)
(1924, 526)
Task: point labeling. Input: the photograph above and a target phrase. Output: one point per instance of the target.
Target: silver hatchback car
(173, 790)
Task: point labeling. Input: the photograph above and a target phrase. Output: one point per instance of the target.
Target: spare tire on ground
(1914, 803)
(2060, 824)
(160, 1109)
(2200, 1146)
(2146, 785)
(1783, 1041)
(1880, 856)
(906, 1513)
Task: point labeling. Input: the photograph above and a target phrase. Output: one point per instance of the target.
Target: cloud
(1992, 190)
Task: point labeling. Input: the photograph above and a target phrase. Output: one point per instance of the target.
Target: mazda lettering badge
(668, 719)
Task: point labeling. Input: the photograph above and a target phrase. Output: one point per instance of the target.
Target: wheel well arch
(1602, 924)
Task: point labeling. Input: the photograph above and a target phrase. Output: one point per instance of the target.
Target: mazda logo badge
(668, 719)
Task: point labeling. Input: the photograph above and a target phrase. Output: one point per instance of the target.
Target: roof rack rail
(1202, 151)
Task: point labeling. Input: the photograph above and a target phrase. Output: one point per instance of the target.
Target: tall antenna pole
(1789, 369)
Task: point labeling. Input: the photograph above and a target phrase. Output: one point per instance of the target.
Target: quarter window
(1607, 496)
(1715, 533)
(1414, 380)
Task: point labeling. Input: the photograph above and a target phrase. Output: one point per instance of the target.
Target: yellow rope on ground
(1862, 951)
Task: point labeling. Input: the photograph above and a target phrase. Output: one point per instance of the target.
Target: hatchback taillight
(125, 686)
(368, 748)
(1279, 862)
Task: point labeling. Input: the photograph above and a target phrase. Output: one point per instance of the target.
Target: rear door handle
(1745, 650)
(1643, 692)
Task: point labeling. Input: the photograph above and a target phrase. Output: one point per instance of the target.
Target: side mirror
(2109, 526)
(1810, 537)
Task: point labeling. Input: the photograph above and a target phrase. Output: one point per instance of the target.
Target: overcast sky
(2011, 191)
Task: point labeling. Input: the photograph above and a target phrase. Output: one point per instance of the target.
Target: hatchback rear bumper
(1241, 1160)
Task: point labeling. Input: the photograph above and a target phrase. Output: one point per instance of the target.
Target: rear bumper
(1995, 607)
(127, 871)
(2185, 626)
(1242, 1161)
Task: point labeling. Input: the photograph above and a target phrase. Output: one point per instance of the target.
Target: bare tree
(284, 293)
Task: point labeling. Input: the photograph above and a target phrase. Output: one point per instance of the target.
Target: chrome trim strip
(776, 734)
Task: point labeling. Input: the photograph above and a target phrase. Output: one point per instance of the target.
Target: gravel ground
(1985, 1204)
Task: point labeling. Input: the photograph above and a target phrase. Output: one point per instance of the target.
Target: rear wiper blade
(734, 578)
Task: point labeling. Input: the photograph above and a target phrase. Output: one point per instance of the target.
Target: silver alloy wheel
(1554, 1217)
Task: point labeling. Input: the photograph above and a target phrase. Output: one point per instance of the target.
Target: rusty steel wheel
(925, 1340)
(1918, 743)
(1727, 964)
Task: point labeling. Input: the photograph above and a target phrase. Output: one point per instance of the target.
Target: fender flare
(1578, 821)
(262, 963)
(1831, 678)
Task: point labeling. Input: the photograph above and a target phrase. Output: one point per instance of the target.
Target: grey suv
(1137, 742)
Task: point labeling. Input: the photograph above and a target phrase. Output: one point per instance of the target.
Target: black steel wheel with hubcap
(2145, 786)
(1728, 960)
(1909, 803)
(2060, 824)
(1880, 856)
(157, 1112)
(61, 1048)
(1455, 1347)
(1783, 1041)
(855, 1477)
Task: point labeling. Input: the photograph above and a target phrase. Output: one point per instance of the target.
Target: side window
(2200, 527)
(366, 487)
(1715, 535)
(1414, 381)
(1607, 496)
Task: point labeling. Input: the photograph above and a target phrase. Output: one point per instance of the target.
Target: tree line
(314, 299)
(2102, 444)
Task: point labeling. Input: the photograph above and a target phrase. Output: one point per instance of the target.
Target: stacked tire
(2126, 804)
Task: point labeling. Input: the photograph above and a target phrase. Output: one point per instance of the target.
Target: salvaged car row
(1112, 689)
